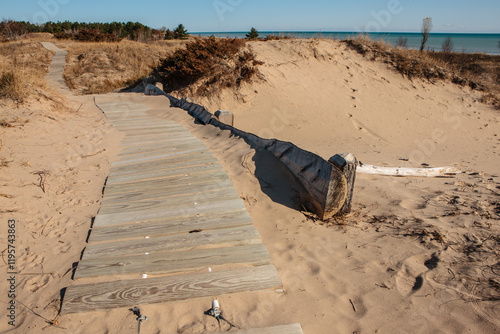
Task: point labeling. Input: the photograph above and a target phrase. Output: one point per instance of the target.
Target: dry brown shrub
(206, 66)
(23, 66)
(277, 37)
(410, 63)
(95, 68)
(478, 71)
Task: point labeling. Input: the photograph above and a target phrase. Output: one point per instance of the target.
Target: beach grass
(23, 66)
(101, 67)
(480, 72)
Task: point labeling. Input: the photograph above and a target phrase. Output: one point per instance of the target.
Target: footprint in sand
(62, 248)
(361, 127)
(35, 283)
(412, 204)
(411, 277)
(30, 261)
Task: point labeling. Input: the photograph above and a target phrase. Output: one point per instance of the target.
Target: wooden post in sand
(341, 188)
(225, 117)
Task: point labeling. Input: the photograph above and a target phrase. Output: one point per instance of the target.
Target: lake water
(482, 43)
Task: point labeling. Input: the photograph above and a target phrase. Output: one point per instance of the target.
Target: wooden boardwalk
(170, 212)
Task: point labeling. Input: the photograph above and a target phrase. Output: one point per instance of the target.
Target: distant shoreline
(487, 43)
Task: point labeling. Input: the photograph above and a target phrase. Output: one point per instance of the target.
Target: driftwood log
(406, 171)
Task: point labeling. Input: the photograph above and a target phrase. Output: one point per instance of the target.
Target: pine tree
(253, 34)
(169, 34)
(180, 32)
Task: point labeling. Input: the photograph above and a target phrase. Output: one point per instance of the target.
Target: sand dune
(327, 99)
(417, 255)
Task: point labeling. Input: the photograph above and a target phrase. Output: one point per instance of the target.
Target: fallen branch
(43, 229)
(43, 176)
(94, 154)
(406, 171)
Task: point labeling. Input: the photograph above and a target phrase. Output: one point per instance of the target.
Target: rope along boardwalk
(169, 213)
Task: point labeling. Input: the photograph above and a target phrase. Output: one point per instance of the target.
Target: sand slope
(416, 252)
(327, 98)
(416, 256)
(67, 153)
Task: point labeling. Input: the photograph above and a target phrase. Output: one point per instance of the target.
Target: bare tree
(447, 45)
(426, 30)
(402, 42)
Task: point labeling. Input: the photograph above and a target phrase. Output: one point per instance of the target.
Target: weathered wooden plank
(181, 168)
(157, 156)
(165, 194)
(127, 118)
(231, 236)
(166, 183)
(146, 120)
(116, 117)
(115, 111)
(129, 114)
(151, 128)
(109, 103)
(146, 127)
(241, 235)
(141, 133)
(187, 160)
(155, 140)
(173, 262)
(123, 109)
(283, 329)
(201, 222)
(161, 213)
(155, 147)
(195, 197)
(150, 190)
(171, 147)
(108, 295)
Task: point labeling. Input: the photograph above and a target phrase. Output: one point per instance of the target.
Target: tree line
(11, 30)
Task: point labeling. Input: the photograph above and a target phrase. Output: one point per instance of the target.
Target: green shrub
(180, 32)
(253, 34)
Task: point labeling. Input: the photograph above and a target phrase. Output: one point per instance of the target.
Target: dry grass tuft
(278, 37)
(410, 63)
(95, 68)
(478, 71)
(206, 66)
(23, 66)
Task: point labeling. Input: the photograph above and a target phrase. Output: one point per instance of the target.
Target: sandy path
(55, 75)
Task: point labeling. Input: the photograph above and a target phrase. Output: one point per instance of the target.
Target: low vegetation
(11, 30)
(253, 34)
(480, 72)
(206, 66)
(91, 32)
(23, 66)
(96, 68)
(274, 37)
(92, 35)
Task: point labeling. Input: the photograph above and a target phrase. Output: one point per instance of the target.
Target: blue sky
(277, 15)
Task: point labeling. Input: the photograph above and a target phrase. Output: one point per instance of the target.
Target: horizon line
(341, 31)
